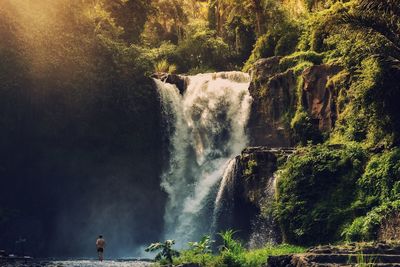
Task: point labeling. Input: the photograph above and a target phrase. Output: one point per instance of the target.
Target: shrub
(381, 178)
(365, 228)
(303, 129)
(164, 66)
(250, 168)
(278, 41)
(315, 190)
(203, 246)
(166, 250)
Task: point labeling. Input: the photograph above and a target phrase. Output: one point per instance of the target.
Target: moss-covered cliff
(334, 100)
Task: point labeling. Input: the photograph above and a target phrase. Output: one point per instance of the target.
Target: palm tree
(381, 17)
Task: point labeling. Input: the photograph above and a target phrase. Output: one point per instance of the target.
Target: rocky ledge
(376, 254)
(179, 80)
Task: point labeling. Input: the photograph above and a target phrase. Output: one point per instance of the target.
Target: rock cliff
(274, 99)
(319, 95)
(278, 91)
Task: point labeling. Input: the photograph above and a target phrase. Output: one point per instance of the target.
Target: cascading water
(264, 229)
(206, 128)
(224, 202)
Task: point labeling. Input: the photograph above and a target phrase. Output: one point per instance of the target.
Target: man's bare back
(100, 245)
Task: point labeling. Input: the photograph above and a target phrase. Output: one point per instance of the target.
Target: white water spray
(206, 127)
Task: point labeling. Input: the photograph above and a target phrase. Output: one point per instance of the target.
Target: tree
(131, 15)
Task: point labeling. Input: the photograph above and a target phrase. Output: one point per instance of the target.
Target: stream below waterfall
(206, 130)
(77, 263)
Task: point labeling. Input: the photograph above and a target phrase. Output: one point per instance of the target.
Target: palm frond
(385, 27)
(386, 6)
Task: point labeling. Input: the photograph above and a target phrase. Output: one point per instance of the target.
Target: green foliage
(381, 18)
(369, 48)
(371, 114)
(303, 129)
(365, 228)
(258, 257)
(189, 256)
(381, 178)
(278, 41)
(293, 60)
(164, 66)
(201, 247)
(250, 168)
(230, 244)
(231, 250)
(318, 26)
(202, 48)
(166, 250)
(240, 37)
(131, 15)
(378, 196)
(249, 258)
(315, 190)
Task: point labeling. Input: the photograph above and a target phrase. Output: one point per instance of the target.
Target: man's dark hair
(100, 236)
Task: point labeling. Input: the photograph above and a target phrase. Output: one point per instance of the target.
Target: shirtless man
(100, 244)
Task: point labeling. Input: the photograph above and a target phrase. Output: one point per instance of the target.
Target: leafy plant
(230, 243)
(164, 66)
(203, 246)
(166, 250)
(250, 168)
(232, 251)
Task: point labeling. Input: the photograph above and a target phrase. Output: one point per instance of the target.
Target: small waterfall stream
(264, 228)
(206, 128)
(224, 201)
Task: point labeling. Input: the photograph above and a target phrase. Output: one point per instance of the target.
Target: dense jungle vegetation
(75, 93)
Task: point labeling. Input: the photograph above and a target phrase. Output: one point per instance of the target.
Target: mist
(80, 137)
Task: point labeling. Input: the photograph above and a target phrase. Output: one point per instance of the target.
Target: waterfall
(224, 202)
(264, 228)
(206, 129)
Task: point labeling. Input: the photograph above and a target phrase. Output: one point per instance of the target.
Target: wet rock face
(258, 165)
(254, 190)
(274, 97)
(319, 96)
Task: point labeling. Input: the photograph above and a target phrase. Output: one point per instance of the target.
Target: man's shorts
(100, 249)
